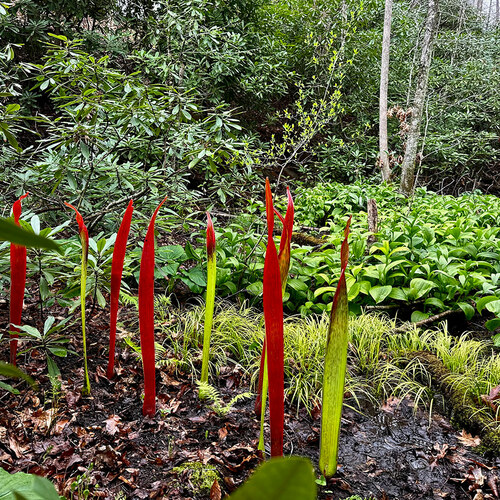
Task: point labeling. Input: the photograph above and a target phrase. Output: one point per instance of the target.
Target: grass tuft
(379, 362)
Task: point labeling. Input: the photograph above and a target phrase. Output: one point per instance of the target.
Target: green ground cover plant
(434, 253)
(377, 365)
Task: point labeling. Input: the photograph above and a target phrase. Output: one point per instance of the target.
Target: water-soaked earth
(391, 452)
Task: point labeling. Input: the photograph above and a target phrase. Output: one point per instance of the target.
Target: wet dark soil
(388, 452)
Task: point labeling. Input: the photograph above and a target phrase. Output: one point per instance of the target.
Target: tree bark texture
(372, 214)
(408, 166)
(384, 86)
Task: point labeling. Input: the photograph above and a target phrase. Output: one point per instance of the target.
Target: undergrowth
(378, 361)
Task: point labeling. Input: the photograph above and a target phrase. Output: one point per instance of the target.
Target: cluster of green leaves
(433, 253)
(113, 132)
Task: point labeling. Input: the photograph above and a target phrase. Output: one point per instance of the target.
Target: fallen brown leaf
(112, 424)
(390, 405)
(222, 433)
(466, 439)
(215, 491)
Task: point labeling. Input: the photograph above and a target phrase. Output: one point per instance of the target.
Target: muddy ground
(391, 452)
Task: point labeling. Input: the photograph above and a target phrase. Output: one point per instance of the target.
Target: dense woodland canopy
(200, 101)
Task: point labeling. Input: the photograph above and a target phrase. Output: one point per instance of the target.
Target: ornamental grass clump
(116, 279)
(17, 283)
(335, 369)
(84, 238)
(210, 300)
(146, 316)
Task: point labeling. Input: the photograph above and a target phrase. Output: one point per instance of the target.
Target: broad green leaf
(364, 287)
(323, 289)
(10, 232)
(255, 288)
(100, 298)
(53, 369)
(298, 285)
(8, 388)
(48, 324)
(85, 150)
(61, 352)
(11, 371)
(31, 330)
(418, 316)
(353, 291)
(26, 487)
(397, 294)
(434, 301)
(483, 301)
(494, 307)
(44, 289)
(380, 293)
(419, 287)
(467, 309)
(196, 275)
(35, 224)
(280, 479)
(492, 324)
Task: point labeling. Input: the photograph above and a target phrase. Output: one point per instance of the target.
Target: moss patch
(201, 476)
(465, 413)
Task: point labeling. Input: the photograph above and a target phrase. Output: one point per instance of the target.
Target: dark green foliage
(21, 486)
(434, 253)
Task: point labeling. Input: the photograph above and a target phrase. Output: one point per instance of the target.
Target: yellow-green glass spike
(83, 293)
(333, 381)
(265, 385)
(209, 315)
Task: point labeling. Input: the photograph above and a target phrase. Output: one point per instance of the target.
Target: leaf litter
(104, 441)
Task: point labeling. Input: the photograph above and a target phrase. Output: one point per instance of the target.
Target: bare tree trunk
(372, 214)
(408, 166)
(384, 86)
(498, 11)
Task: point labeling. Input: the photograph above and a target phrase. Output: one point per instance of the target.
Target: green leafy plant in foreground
(21, 486)
(11, 371)
(15, 234)
(280, 479)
